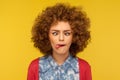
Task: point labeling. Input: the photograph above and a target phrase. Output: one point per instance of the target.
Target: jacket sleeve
(33, 70)
(85, 70)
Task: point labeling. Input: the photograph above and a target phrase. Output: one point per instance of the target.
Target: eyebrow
(59, 30)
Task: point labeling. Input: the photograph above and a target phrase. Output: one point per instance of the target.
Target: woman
(60, 32)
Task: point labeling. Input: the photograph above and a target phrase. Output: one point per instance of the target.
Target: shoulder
(34, 65)
(83, 64)
(34, 62)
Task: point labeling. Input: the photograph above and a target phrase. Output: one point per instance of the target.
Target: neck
(60, 58)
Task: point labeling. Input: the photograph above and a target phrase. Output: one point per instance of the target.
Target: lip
(59, 45)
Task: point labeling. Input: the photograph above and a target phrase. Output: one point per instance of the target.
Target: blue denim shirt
(50, 70)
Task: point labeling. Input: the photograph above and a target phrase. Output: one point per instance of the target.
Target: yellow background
(17, 51)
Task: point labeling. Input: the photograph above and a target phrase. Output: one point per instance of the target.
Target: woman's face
(60, 36)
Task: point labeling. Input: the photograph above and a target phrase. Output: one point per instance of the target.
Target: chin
(61, 53)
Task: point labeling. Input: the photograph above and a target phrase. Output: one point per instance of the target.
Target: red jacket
(85, 70)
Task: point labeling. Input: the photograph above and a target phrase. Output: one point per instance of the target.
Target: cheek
(69, 41)
(52, 40)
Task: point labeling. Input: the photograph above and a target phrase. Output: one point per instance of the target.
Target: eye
(67, 33)
(55, 33)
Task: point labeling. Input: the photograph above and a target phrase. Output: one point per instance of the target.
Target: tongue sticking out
(59, 45)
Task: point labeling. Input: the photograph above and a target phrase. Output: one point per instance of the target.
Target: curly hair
(75, 16)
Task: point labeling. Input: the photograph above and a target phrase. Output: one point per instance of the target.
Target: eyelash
(65, 33)
(55, 33)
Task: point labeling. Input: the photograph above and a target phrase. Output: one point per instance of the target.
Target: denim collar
(69, 62)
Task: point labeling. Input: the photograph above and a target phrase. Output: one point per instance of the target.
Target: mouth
(59, 46)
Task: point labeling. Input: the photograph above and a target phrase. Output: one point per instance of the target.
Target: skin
(60, 36)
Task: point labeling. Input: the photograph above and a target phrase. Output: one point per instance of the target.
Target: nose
(61, 37)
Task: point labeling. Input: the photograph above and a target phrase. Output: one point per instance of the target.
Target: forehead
(61, 25)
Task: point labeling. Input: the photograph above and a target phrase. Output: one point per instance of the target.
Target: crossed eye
(55, 33)
(65, 33)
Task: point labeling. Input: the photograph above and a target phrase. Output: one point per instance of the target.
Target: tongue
(58, 46)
